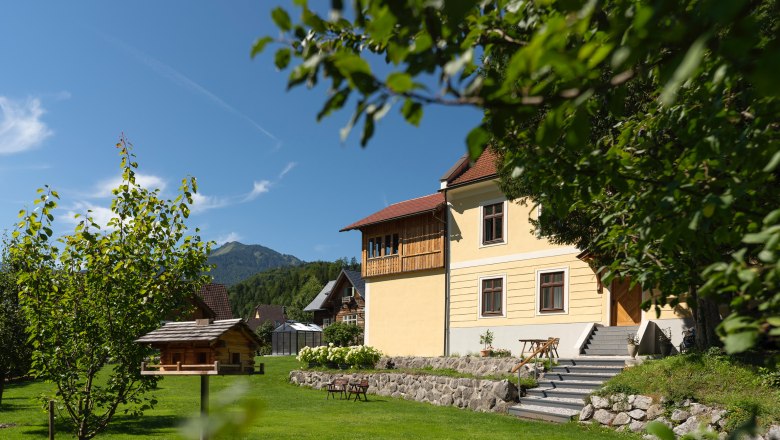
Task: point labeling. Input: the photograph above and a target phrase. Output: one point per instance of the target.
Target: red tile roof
(401, 209)
(483, 168)
(216, 297)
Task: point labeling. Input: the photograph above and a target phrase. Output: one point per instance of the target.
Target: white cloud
(287, 169)
(260, 187)
(21, 127)
(101, 215)
(232, 236)
(144, 180)
(202, 203)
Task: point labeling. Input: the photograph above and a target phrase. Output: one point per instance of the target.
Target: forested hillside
(236, 262)
(292, 286)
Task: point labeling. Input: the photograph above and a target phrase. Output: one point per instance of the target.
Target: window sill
(481, 316)
(491, 244)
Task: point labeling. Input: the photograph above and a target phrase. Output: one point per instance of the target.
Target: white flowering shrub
(356, 356)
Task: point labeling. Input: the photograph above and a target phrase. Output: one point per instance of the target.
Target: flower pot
(632, 349)
(484, 353)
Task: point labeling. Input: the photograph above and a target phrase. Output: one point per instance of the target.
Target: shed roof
(289, 327)
(319, 300)
(406, 208)
(190, 331)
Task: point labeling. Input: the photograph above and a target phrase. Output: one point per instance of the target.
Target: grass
(290, 412)
(710, 378)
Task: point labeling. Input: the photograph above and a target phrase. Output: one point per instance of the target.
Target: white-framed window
(552, 291)
(350, 319)
(326, 322)
(492, 296)
(492, 223)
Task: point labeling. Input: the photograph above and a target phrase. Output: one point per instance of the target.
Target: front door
(626, 302)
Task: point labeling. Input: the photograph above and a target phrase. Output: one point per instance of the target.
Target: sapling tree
(15, 352)
(89, 294)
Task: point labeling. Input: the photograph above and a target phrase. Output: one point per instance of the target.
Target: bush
(342, 335)
(500, 353)
(358, 356)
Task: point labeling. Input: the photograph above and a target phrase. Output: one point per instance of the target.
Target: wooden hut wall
(421, 245)
(339, 309)
(235, 342)
(190, 353)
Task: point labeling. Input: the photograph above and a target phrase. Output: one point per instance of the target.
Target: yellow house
(491, 272)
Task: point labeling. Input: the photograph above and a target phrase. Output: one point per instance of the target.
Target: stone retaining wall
(478, 366)
(474, 394)
(633, 412)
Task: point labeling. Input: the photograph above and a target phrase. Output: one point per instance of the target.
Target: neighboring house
(427, 295)
(267, 313)
(341, 300)
(216, 298)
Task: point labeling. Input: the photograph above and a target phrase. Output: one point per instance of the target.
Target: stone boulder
(587, 412)
(603, 416)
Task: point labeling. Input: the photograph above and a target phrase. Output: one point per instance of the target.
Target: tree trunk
(706, 318)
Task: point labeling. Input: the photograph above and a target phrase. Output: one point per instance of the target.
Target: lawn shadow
(145, 425)
(18, 384)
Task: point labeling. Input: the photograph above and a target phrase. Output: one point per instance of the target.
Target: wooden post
(51, 420)
(204, 405)
(178, 366)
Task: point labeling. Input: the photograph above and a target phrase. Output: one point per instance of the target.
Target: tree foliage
(293, 287)
(342, 334)
(15, 355)
(648, 132)
(88, 295)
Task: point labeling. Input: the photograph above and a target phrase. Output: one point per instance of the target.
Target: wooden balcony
(179, 369)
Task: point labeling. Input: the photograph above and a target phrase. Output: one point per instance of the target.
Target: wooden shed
(202, 347)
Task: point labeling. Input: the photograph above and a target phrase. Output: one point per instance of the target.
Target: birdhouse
(202, 347)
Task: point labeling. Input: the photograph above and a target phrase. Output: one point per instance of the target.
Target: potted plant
(665, 341)
(486, 340)
(633, 344)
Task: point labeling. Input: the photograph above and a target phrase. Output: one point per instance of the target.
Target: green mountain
(291, 286)
(236, 262)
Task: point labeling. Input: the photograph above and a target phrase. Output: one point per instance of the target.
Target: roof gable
(463, 173)
(398, 210)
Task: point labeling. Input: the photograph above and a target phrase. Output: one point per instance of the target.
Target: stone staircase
(561, 393)
(608, 341)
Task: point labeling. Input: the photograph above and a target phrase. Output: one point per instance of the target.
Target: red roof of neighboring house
(216, 297)
(484, 167)
(401, 209)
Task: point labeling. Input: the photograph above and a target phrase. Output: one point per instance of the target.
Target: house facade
(341, 300)
(493, 272)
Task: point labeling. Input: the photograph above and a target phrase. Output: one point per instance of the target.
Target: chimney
(203, 322)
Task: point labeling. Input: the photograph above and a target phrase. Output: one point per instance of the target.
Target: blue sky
(176, 78)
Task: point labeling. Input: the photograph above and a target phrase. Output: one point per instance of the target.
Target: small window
(551, 292)
(202, 357)
(493, 223)
(175, 357)
(348, 292)
(326, 322)
(395, 244)
(388, 245)
(235, 358)
(492, 297)
(349, 319)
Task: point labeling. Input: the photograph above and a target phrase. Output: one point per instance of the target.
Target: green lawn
(287, 411)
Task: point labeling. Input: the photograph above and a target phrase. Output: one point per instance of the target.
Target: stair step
(558, 415)
(615, 329)
(610, 338)
(570, 393)
(606, 369)
(597, 361)
(610, 345)
(594, 377)
(606, 351)
(569, 384)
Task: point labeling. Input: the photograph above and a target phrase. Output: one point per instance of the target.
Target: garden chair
(338, 386)
(359, 389)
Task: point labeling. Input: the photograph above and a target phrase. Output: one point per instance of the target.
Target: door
(626, 303)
